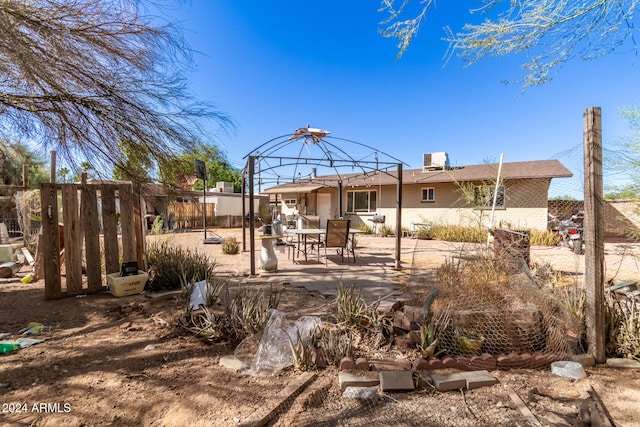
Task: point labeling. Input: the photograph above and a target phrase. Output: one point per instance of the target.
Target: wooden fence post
(110, 229)
(593, 233)
(50, 241)
(91, 228)
(125, 193)
(72, 239)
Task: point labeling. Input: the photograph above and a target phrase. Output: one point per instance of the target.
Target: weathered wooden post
(594, 233)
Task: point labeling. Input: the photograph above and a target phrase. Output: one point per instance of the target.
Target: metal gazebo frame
(331, 155)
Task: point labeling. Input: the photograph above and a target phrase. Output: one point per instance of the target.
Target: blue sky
(277, 66)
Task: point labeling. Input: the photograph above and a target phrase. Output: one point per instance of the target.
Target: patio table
(304, 245)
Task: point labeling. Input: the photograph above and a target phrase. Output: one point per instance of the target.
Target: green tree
(548, 32)
(64, 173)
(218, 168)
(87, 77)
(136, 164)
(12, 156)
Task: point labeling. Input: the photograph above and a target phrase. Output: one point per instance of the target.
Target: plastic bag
(274, 350)
(199, 295)
(568, 369)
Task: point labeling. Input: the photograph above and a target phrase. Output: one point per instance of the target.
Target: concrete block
(425, 381)
(449, 382)
(477, 379)
(586, 360)
(623, 363)
(396, 381)
(351, 380)
(369, 394)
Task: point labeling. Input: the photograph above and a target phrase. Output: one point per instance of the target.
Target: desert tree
(12, 156)
(547, 32)
(97, 80)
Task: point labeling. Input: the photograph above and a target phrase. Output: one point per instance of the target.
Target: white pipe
(495, 196)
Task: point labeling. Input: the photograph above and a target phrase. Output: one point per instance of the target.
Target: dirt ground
(109, 361)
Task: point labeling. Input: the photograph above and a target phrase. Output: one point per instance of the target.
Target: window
(428, 194)
(483, 196)
(361, 201)
(290, 201)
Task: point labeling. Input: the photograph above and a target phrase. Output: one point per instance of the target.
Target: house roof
(485, 172)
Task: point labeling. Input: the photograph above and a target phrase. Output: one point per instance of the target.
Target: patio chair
(337, 236)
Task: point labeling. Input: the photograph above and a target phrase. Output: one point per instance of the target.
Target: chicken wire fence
(518, 290)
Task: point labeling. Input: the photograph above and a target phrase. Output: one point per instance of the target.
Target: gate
(81, 215)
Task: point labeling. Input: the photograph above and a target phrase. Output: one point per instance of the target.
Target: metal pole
(252, 243)
(204, 206)
(399, 216)
(244, 210)
(339, 199)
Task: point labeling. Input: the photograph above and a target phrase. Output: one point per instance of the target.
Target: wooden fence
(81, 223)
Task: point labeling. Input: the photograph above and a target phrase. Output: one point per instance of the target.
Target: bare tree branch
(84, 76)
(549, 32)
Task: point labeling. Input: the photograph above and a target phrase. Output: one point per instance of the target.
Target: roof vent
(435, 161)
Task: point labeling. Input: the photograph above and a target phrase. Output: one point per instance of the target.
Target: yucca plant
(352, 309)
(248, 312)
(429, 334)
(302, 349)
(624, 327)
(168, 264)
(336, 343)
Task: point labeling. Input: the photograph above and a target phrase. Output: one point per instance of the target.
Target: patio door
(324, 208)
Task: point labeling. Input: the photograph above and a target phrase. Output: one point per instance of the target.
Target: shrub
(231, 246)
(544, 238)
(458, 233)
(170, 265)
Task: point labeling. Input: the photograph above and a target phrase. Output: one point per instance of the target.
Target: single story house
(435, 194)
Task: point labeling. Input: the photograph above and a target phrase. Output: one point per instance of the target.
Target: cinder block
(449, 382)
(369, 394)
(351, 380)
(396, 381)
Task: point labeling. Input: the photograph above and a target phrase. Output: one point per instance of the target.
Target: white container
(6, 253)
(127, 285)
